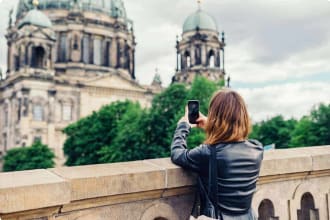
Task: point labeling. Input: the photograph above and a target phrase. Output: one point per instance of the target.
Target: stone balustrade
(293, 183)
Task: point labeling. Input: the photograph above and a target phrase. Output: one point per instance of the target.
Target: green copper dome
(37, 18)
(114, 8)
(200, 20)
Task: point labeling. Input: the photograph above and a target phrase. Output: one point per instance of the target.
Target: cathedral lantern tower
(199, 51)
(31, 44)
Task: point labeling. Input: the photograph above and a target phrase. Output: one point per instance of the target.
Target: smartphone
(193, 111)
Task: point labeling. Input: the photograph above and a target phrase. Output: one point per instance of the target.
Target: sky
(277, 53)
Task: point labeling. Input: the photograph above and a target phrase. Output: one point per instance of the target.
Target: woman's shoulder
(203, 149)
(255, 143)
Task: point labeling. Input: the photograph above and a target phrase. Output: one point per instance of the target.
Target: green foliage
(38, 156)
(301, 135)
(123, 131)
(163, 116)
(127, 144)
(87, 136)
(310, 130)
(202, 89)
(320, 128)
(314, 129)
(274, 131)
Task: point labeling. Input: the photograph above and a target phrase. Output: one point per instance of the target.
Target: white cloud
(268, 42)
(290, 100)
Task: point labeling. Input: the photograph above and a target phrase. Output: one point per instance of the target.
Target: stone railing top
(28, 190)
(295, 160)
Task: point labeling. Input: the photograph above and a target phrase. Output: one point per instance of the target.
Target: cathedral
(68, 58)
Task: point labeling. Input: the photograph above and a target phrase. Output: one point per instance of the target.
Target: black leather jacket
(238, 168)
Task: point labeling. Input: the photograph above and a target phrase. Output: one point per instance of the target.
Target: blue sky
(277, 52)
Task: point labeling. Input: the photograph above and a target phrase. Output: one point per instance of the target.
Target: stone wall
(157, 189)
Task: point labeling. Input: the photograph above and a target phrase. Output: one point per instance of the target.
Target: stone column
(113, 52)
(204, 55)
(51, 120)
(51, 107)
(10, 125)
(30, 54)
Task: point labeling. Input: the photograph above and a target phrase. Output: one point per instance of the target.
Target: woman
(238, 160)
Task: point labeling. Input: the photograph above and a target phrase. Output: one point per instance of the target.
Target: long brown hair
(228, 119)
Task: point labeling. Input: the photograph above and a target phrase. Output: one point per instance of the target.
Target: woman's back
(227, 127)
(238, 166)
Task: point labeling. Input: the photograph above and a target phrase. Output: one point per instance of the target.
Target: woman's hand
(186, 119)
(201, 121)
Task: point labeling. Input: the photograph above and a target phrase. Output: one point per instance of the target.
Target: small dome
(37, 18)
(201, 20)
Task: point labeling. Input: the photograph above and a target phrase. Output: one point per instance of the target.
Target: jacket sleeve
(180, 155)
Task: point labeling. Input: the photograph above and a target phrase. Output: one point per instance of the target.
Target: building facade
(65, 59)
(200, 51)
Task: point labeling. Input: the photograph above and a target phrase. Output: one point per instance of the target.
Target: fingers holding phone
(195, 116)
(201, 121)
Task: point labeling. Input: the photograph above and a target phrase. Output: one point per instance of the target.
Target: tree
(274, 131)
(86, 137)
(123, 131)
(301, 135)
(128, 143)
(313, 129)
(161, 121)
(38, 156)
(320, 127)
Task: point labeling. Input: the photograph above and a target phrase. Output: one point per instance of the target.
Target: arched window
(18, 59)
(266, 210)
(38, 57)
(75, 43)
(38, 112)
(308, 210)
(211, 59)
(106, 60)
(66, 112)
(62, 48)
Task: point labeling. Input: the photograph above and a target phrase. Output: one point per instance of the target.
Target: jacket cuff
(184, 125)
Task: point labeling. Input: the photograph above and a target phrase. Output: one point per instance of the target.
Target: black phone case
(193, 111)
